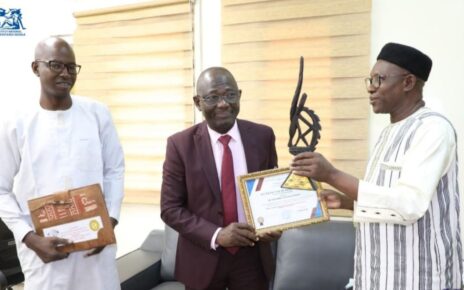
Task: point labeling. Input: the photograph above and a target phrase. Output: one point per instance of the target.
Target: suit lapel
(206, 157)
(252, 150)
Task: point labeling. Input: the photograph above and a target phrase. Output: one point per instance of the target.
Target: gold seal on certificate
(269, 206)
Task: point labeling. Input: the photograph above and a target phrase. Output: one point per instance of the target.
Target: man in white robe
(407, 206)
(63, 142)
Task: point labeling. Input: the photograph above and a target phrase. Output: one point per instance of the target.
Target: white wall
(207, 38)
(437, 29)
(19, 86)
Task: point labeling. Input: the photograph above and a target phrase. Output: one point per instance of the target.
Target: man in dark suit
(217, 249)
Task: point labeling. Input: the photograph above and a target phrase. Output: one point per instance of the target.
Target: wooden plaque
(79, 215)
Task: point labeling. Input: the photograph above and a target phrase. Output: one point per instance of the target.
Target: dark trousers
(242, 271)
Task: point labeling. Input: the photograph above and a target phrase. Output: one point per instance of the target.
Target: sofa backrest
(168, 257)
(320, 256)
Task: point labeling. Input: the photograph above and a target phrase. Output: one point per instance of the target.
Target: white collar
(233, 132)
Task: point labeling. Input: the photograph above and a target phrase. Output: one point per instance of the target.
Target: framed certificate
(270, 205)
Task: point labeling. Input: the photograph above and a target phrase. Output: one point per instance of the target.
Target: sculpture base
(294, 181)
(297, 150)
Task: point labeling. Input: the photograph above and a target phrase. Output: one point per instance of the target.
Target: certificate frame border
(248, 210)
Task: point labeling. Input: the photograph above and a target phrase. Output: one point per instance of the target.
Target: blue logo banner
(11, 22)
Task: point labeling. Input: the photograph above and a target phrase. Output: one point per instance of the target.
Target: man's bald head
(218, 98)
(55, 65)
(214, 77)
(51, 46)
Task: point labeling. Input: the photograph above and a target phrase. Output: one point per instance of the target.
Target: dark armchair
(315, 257)
(10, 269)
(152, 265)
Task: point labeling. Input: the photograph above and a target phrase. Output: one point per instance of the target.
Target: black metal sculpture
(302, 117)
(303, 122)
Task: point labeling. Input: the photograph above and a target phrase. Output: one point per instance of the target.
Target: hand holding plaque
(78, 215)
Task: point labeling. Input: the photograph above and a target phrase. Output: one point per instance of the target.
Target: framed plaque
(269, 205)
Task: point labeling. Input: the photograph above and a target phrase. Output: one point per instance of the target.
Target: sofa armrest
(10, 276)
(154, 241)
(140, 269)
(3, 281)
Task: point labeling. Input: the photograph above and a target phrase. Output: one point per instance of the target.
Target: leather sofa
(318, 257)
(10, 269)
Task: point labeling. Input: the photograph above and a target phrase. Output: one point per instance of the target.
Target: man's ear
(409, 82)
(196, 101)
(35, 68)
(239, 94)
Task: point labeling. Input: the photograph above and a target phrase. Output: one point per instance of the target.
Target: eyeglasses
(376, 80)
(58, 66)
(230, 97)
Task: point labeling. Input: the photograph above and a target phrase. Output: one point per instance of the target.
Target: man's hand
(335, 200)
(236, 235)
(332, 198)
(46, 248)
(270, 236)
(98, 250)
(312, 165)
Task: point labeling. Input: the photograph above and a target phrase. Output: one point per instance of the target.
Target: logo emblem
(94, 225)
(11, 23)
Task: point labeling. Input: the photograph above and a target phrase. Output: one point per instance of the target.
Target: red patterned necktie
(229, 201)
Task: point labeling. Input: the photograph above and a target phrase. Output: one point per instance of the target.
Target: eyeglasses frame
(369, 81)
(65, 65)
(222, 97)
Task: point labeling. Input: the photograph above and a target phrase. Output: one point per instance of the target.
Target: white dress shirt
(240, 166)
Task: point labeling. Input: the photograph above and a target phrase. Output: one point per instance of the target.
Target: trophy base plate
(294, 181)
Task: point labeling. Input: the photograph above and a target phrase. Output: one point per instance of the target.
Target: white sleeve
(213, 243)
(113, 163)
(429, 157)
(10, 160)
